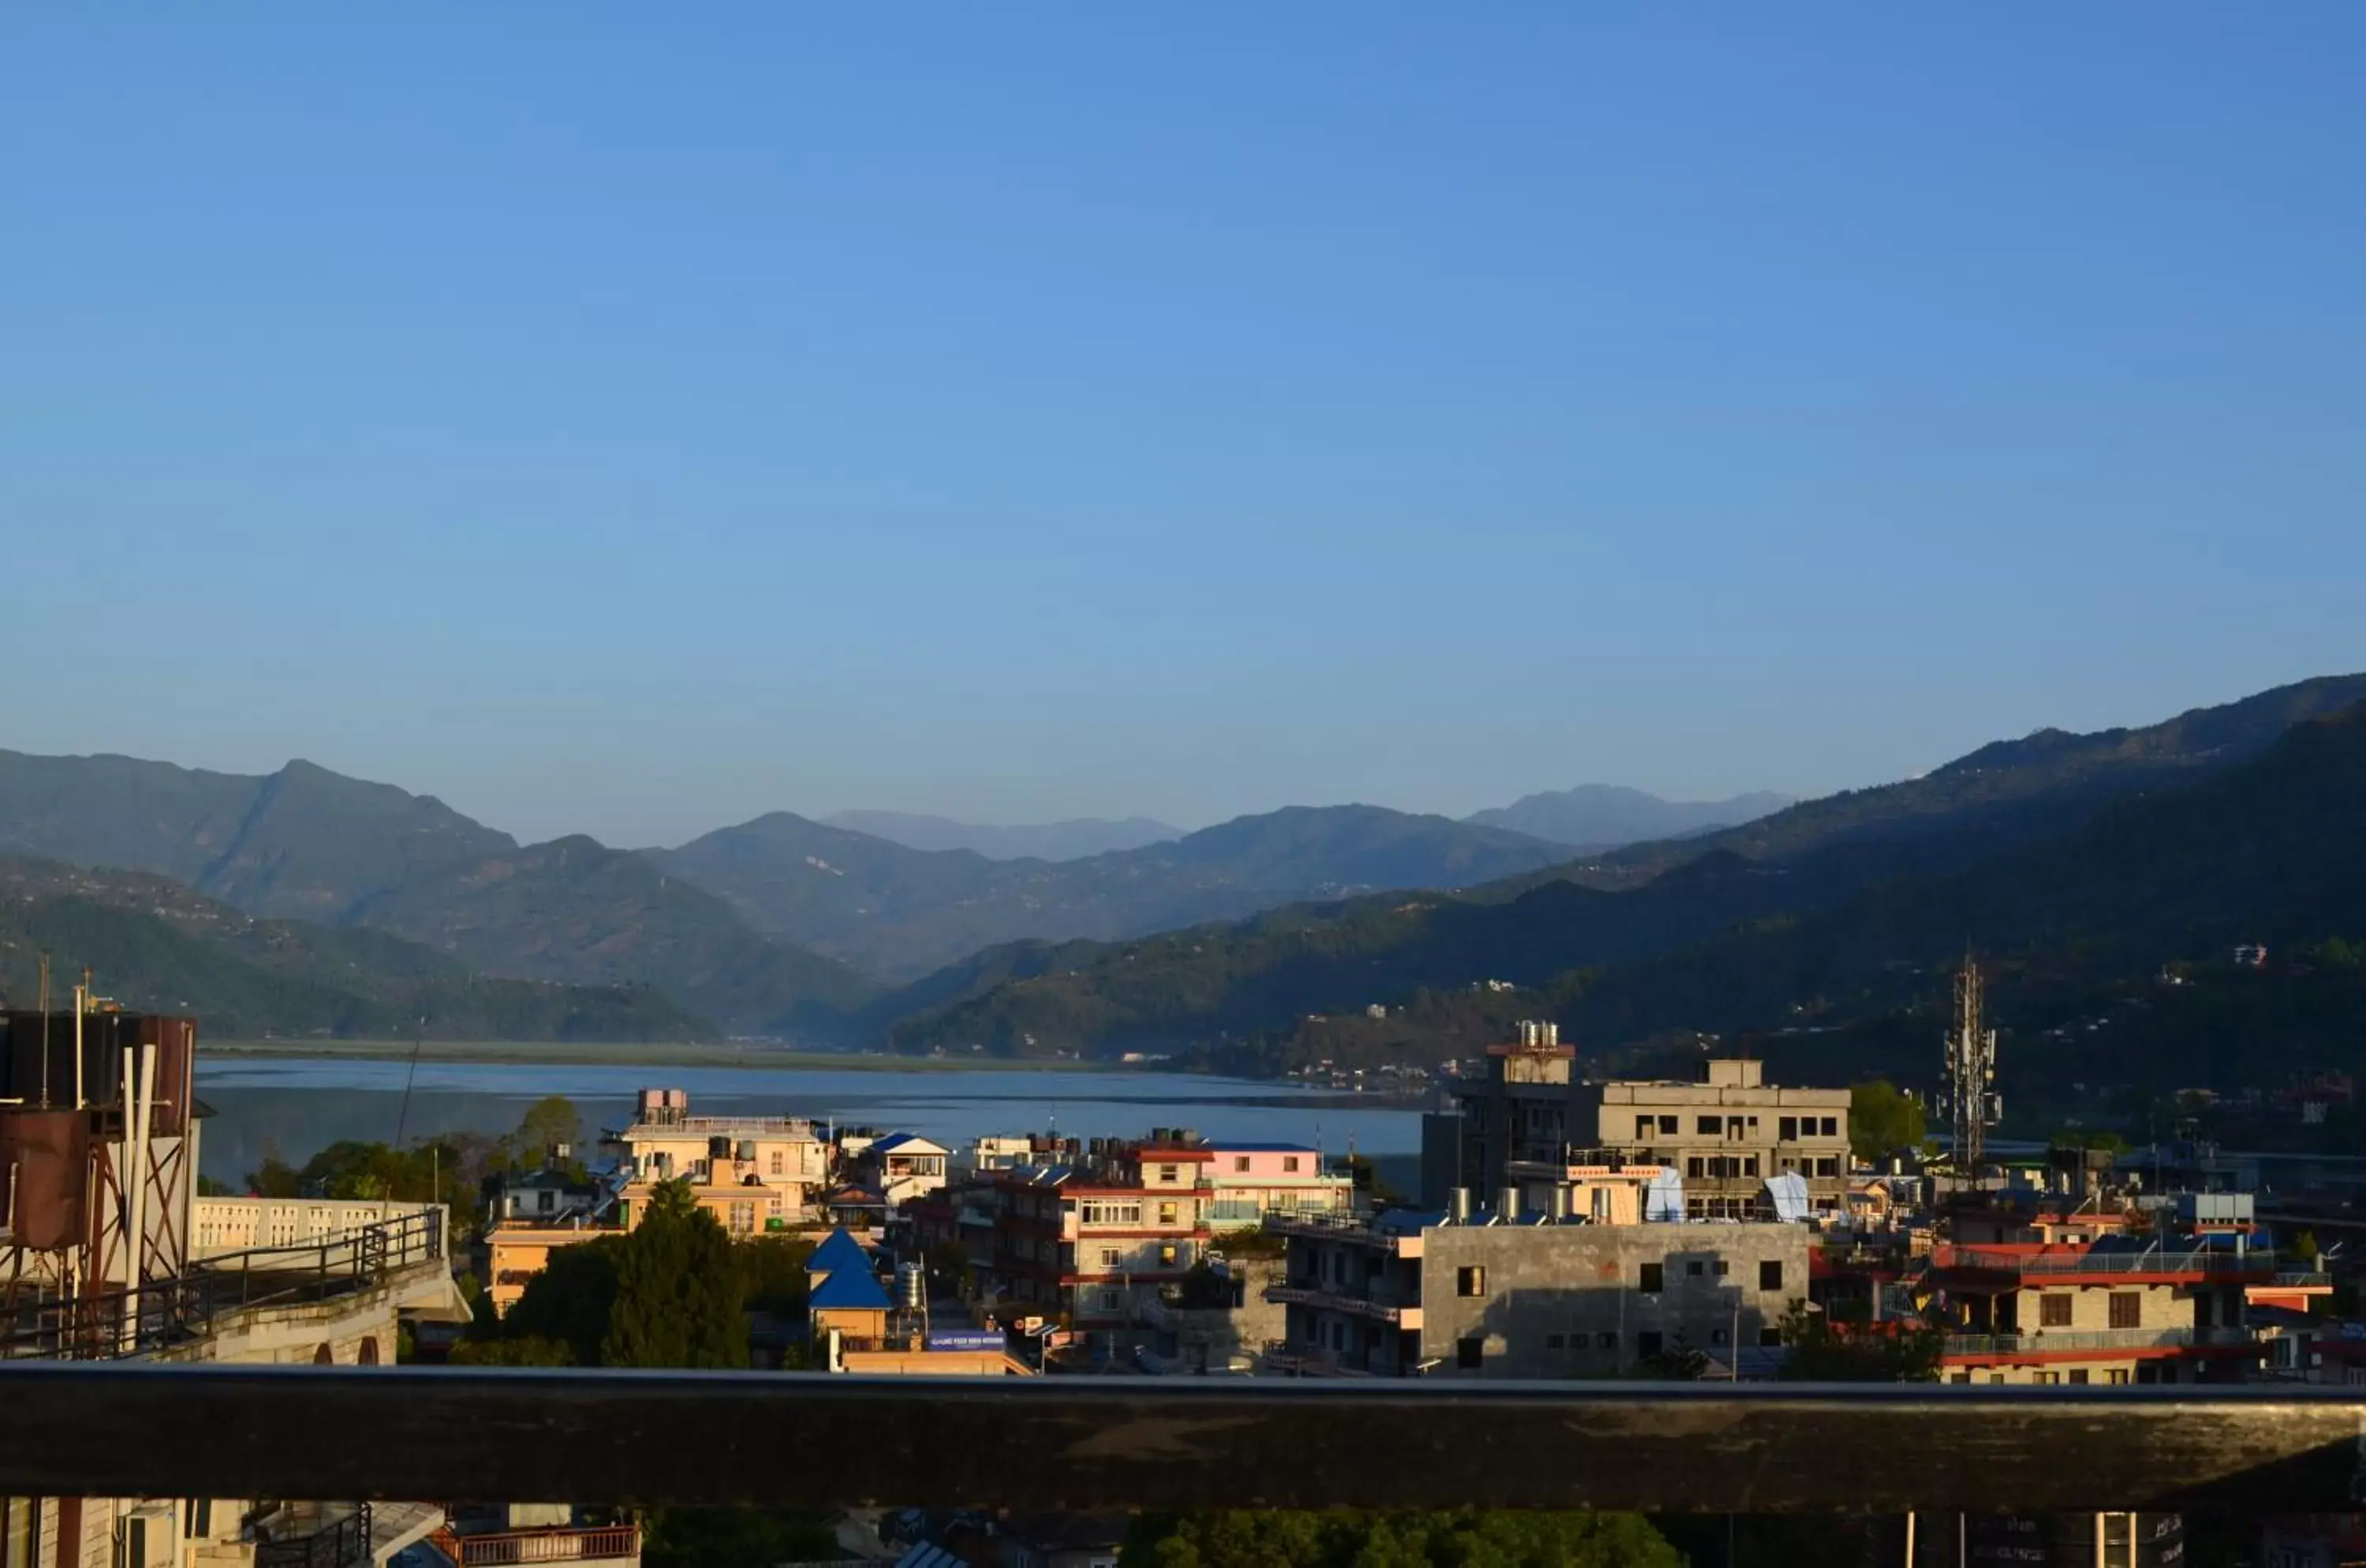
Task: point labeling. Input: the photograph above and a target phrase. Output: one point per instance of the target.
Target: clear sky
(629, 419)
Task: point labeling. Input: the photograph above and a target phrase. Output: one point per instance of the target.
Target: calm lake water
(293, 1106)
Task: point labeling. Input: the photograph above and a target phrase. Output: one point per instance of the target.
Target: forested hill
(1722, 941)
(155, 945)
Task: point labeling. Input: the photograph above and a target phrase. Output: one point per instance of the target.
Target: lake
(292, 1106)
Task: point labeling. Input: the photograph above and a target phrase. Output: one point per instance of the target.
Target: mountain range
(304, 901)
(1566, 926)
(1072, 839)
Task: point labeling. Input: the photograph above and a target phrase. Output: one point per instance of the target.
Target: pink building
(1251, 1180)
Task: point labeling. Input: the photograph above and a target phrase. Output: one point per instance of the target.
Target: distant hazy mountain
(1052, 840)
(1599, 816)
(901, 912)
(305, 843)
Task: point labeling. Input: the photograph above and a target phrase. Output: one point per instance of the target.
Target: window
(1719, 1269)
(1169, 1175)
(1667, 1123)
(1694, 1267)
(1711, 1126)
(2048, 1380)
(1647, 1345)
(1770, 1274)
(1103, 1212)
(1108, 1257)
(2053, 1312)
(779, 1163)
(1606, 1340)
(1240, 1163)
(743, 1217)
(1168, 1256)
(1787, 1129)
(1749, 1164)
(1828, 1168)
(1753, 1123)
(1166, 1213)
(2080, 1375)
(2116, 1374)
(1960, 1377)
(1290, 1165)
(1831, 1128)
(1643, 1126)
(1995, 1377)
(1471, 1280)
(1652, 1284)
(1469, 1354)
(1556, 1341)
(2128, 1309)
(1693, 1166)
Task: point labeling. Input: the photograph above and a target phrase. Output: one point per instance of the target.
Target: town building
(1091, 1243)
(1726, 1133)
(1251, 1180)
(2031, 1291)
(905, 1166)
(752, 1173)
(1413, 1293)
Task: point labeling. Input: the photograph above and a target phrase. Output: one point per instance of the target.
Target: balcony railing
(507, 1549)
(143, 1319)
(2072, 1339)
(338, 1544)
(2184, 1260)
(794, 1440)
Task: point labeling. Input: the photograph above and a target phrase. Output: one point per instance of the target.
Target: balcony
(794, 1440)
(1381, 1304)
(508, 1548)
(2101, 1341)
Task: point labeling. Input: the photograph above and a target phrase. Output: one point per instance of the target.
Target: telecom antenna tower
(1972, 1101)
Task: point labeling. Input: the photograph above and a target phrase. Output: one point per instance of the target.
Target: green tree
(568, 1302)
(773, 1273)
(547, 1123)
(1884, 1121)
(1844, 1345)
(679, 1290)
(735, 1538)
(1495, 1537)
(524, 1350)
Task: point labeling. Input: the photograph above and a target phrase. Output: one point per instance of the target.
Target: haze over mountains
(306, 902)
(1072, 840)
(1603, 816)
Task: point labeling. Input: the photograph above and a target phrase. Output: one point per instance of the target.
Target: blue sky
(627, 420)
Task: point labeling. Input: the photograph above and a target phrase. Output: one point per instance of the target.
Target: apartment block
(1095, 1241)
(752, 1173)
(1409, 1294)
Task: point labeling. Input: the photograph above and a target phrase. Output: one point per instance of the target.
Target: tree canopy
(1495, 1537)
(1884, 1121)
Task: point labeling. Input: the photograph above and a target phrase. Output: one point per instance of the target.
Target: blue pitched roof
(848, 1290)
(894, 1141)
(838, 1251)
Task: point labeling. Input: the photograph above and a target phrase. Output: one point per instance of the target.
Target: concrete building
(1093, 1242)
(1726, 1133)
(905, 1166)
(1251, 1180)
(1413, 1293)
(752, 1173)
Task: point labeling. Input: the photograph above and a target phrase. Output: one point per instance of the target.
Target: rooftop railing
(2072, 1339)
(2178, 1260)
(159, 1314)
(116, 1430)
(511, 1549)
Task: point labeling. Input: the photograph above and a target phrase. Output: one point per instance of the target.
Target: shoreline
(604, 1054)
